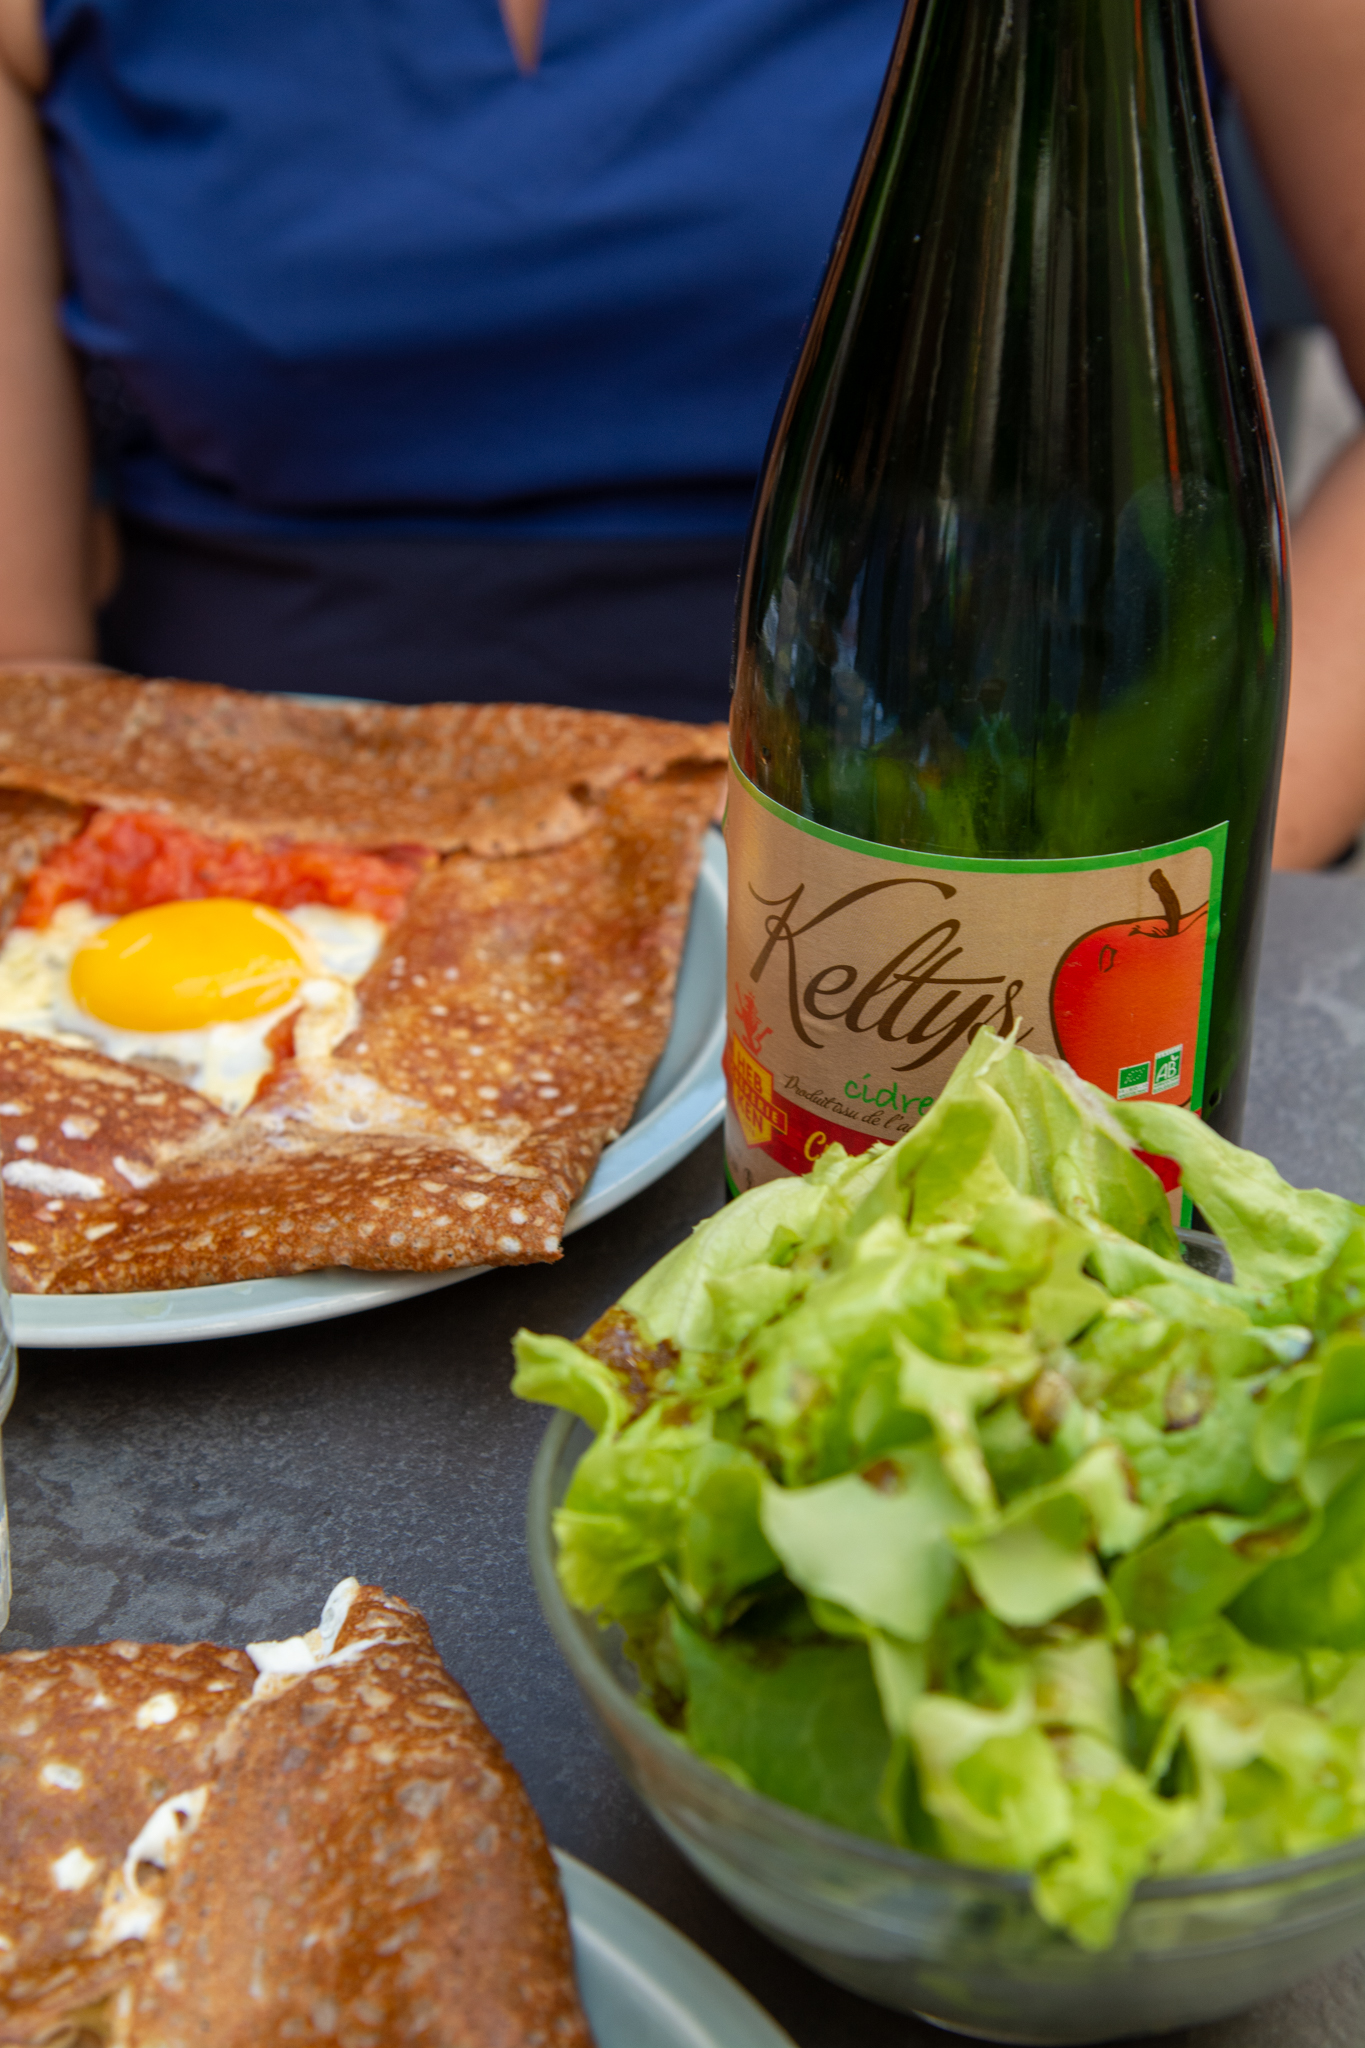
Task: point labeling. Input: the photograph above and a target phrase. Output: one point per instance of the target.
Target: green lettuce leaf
(990, 1779)
(1277, 1236)
(1039, 1557)
(1118, 1830)
(875, 1543)
(662, 1504)
(1076, 1687)
(1187, 1574)
(552, 1370)
(1267, 1779)
(800, 1722)
(734, 1270)
(1081, 1160)
(1317, 1596)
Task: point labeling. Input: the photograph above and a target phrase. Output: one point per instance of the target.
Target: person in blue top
(428, 348)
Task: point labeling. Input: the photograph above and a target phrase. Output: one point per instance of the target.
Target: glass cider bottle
(1013, 632)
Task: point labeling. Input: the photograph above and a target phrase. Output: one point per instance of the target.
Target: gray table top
(219, 1490)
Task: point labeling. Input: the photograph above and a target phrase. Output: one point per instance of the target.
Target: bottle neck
(1142, 47)
(1048, 165)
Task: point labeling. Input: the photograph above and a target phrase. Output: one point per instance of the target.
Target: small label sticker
(1134, 1080)
(1166, 1069)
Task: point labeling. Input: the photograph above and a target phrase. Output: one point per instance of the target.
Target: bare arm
(45, 519)
(1299, 70)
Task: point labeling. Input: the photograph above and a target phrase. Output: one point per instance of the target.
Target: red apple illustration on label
(1126, 1000)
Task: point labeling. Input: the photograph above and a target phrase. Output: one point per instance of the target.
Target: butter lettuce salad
(939, 1497)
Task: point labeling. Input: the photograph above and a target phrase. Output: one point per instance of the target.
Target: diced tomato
(128, 860)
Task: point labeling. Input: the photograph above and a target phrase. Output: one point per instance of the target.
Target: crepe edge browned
(215, 779)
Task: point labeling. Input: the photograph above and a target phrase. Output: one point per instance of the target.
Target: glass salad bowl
(959, 1946)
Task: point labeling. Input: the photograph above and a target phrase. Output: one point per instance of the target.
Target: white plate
(643, 1984)
(684, 1100)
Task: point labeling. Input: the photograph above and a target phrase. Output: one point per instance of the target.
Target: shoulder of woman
(1298, 69)
(23, 48)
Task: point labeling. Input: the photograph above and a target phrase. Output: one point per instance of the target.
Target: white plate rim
(690, 1109)
(701, 2005)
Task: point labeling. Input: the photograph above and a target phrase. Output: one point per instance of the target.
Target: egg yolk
(180, 966)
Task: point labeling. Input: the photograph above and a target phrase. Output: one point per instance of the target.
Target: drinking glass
(6, 1396)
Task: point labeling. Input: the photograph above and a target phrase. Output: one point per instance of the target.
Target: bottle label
(858, 974)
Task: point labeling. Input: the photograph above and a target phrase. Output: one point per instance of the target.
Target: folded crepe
(315, 1840)
(501, 1038)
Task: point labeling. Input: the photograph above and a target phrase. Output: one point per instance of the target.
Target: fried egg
(193, 989)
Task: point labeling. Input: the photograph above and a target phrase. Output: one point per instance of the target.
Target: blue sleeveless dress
(342, 276)
(412, 374)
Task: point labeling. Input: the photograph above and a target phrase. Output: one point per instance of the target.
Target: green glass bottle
(1013, 632)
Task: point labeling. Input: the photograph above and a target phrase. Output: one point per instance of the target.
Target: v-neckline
(524, 21)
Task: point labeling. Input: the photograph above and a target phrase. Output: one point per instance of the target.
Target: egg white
(225, 1062)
